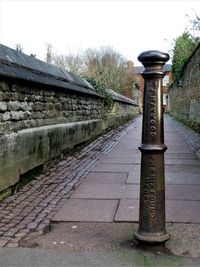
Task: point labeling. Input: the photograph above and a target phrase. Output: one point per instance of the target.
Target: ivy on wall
(101, 90)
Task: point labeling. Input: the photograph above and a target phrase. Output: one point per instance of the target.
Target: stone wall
(45, 110)
(184, 97)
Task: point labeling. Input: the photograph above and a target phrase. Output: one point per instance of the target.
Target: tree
(195, 27)
(71, 62)
(109, 68)
(19, 48)
(105, 66)
(49, 54)
(184, 45)
(196, 24)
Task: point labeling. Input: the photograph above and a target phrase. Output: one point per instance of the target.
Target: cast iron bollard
(152, 186)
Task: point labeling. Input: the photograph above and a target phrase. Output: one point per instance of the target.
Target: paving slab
(190, 162)
(177, 211)
(178, 150)
(87, 210)
(128, 211)
(102, 167)
(109, 191)
(169, 154)
(173, 138)
(133, 178)
(176, 143)
(183, 192)
(117, 191)
(119, 160)
(127, 146)
(180, 156)
(187, 169)
(182, 178)
(173, 135)
(183, 211)
(170, 178)
(175, 161)
(128, 152)
(123, 154)
(133, 140)
(105, 178)
(170, 132)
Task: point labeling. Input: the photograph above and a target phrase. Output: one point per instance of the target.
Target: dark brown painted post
(152, 185)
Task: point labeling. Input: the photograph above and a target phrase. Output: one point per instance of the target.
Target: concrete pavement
(26, 257)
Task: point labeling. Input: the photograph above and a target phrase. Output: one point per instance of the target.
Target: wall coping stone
(14, 64)
(117, 97)
(17, 65)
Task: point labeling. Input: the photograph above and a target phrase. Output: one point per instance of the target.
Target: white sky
(130, 27)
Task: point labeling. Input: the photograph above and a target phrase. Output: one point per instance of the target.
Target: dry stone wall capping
(45, 110)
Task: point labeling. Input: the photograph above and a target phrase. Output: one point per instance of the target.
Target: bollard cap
(152, 57)
(153, 61)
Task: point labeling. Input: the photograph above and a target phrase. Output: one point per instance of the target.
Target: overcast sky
(130, 27)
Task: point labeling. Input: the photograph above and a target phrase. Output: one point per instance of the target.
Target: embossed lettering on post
(152, 108)
(150, 188)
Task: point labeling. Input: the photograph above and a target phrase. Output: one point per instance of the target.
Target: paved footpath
(91, 202)
(111, 191)
(101, 194)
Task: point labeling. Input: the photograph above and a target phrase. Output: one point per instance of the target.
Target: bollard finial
(153, 56)
(153, 61)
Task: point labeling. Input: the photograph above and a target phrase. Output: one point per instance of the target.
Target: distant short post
(152, 185)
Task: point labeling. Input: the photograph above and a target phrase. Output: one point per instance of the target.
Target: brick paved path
(110, 190)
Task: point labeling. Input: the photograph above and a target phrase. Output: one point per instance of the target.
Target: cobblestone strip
(33, 206)
(191, 137)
